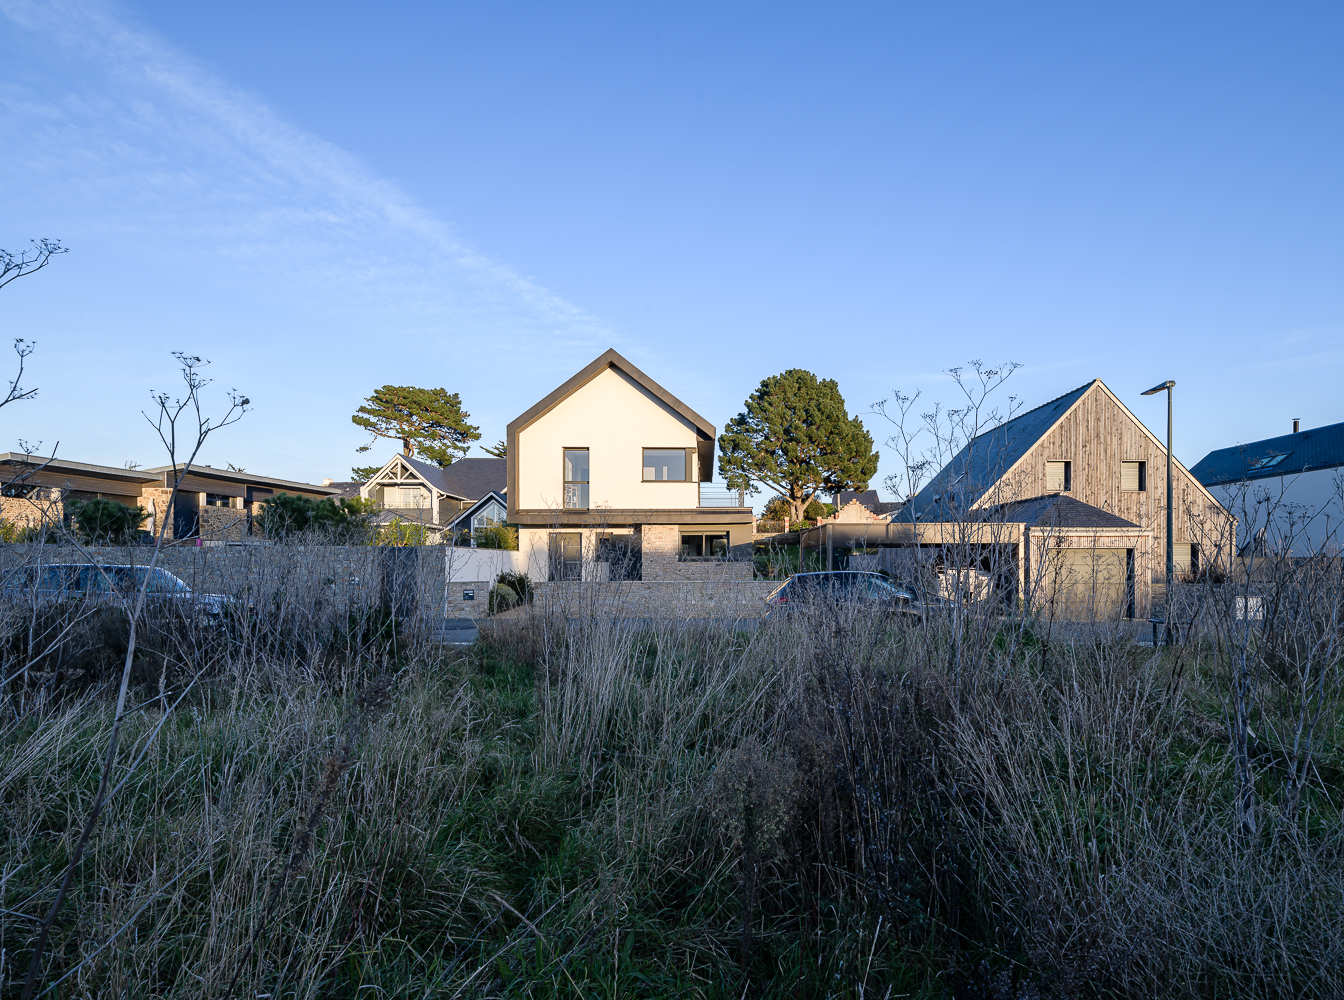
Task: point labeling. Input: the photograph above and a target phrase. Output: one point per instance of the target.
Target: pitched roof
(465, 479)
(347, 490)
(1055, 510)
(1286, 455)
(705, 431)
(494, 495)
(989, 456)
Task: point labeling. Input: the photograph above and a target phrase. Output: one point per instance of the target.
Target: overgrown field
(826, 806)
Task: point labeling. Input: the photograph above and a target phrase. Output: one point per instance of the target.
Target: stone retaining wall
(411, 577)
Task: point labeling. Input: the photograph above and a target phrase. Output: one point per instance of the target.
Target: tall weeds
(585, 803)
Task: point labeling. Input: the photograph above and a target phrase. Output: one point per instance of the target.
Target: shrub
(509, 591)
(345, 520)
(401, 532)
(496, 536)
(106, 522)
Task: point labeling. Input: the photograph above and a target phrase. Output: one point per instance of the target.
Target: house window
(566, 550)
(216, 500)
(576, 479)
(1058, 477)
(492, 514)
(1133, 477)
(1185, 559)
(622, 556)
(405, 496)
(665, 465)
(704, 547)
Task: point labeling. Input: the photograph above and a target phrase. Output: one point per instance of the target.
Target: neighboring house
(211, 504)
(215, 505)
(442, 500)
(1062, 507)
(611, 477)
(868, 500)
(1288, 491)
(38, 487)
(490, 510)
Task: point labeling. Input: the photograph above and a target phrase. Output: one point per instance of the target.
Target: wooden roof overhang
(85, 477)
(203, 479)
(704, 430)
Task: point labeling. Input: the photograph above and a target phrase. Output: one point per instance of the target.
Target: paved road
(463, 631)
(454, 631)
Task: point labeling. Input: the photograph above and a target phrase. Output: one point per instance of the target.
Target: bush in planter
(509, 591)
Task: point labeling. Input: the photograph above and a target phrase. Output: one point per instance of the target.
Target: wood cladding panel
(1097, 435)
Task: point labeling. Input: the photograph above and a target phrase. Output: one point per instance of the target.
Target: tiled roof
(1055, 510)
(1288, 454)
(348, 491)
(987, 457)
(467, 478)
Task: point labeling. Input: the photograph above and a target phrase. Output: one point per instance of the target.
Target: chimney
(1297, 424)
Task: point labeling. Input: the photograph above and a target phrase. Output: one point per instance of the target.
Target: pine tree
(796, 437)
(428, 422)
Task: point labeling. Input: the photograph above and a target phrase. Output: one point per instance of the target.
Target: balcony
(713, 495)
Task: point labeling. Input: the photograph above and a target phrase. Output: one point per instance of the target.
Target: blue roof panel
(1286, 455)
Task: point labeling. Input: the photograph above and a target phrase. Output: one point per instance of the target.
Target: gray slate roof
(1055, 510)
(1286, 455)
(348, 490)
(467, 478)
(980, 464)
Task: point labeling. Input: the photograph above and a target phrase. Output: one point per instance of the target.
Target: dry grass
(567, 809)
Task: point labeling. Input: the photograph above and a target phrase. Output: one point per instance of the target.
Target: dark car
(849, 587)
(72, 581)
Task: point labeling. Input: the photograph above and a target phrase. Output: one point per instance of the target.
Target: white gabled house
(610, 477)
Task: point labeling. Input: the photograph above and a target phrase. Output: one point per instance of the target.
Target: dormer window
(1058, 477)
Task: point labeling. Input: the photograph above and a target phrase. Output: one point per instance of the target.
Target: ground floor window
(704, 546)
(566, 555)
(622, 556)
(217, 500)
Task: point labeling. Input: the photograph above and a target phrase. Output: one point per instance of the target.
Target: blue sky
(323, 198)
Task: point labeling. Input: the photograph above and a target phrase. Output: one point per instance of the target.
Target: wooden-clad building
(1086, 448)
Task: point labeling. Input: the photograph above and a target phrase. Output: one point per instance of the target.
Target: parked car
(850, 587)
(74, 581)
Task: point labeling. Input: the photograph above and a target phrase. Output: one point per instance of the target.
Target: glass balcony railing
(714, 495)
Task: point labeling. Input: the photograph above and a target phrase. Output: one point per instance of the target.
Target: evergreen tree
(797, 438)
(427, 422)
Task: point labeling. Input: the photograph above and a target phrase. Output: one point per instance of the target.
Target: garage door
(1088, 584)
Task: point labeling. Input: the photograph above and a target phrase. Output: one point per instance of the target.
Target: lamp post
(1171, 513)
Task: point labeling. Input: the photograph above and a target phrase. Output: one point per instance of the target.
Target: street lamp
(1171, 530)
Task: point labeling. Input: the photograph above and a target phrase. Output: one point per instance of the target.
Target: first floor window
(216, 500)
(1058, 477)
(665, 465)
(707, 546)
(1133, 477)
(576, 479)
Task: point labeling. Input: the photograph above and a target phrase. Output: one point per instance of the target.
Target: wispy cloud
(143, 127)
(153, 166)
